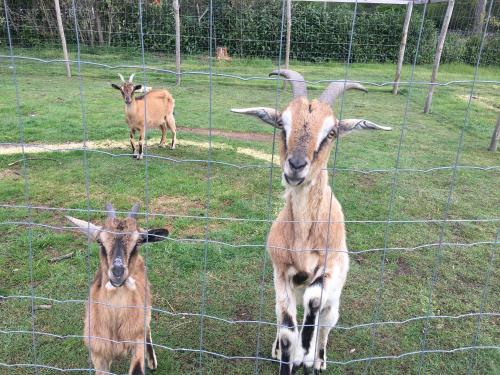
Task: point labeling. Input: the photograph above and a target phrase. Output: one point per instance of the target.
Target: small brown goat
(155, 106)
(307, 242)
(118, 311)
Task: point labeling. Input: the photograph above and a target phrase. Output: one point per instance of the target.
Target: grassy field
(173, 186)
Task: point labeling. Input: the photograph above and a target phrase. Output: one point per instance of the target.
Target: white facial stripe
(327, 126)
(286, 118)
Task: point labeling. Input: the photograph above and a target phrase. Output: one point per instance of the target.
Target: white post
(495, 137)
(437, 57)
(175, 5)
(402, 48)
(63, 38)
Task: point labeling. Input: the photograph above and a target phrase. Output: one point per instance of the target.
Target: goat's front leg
(101, 364)
(140, 155)
(328, 317)
(137, 362)
(315, 300)
(286, 314)
(132, 142)
(150, 352)
(321, 308)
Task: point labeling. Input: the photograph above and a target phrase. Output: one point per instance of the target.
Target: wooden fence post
(63, 37)
(437, 57)
(288, 32)
(402, 47)
(495, 137)
(175, 5)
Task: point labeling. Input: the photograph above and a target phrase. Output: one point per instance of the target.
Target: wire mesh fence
(421, 202)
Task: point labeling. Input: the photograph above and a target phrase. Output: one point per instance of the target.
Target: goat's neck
(305, 202)
(130, 108)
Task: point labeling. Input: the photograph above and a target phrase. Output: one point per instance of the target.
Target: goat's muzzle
(118, 273)
(295, 169)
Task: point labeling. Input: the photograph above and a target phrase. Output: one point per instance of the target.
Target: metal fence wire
(41, 325)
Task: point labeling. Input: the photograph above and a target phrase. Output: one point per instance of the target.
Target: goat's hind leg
(150, 352)
(163, 128)
(171, 125)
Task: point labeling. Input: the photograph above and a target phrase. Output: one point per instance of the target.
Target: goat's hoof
(163, 145)
(172, 147)
(139, 157)
(275, 351)
(320, 365)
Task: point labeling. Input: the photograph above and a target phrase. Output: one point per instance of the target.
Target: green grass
(238, 209)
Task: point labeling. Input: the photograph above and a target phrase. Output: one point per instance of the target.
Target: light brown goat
(307, 242)
(118, 311)
(155, 106)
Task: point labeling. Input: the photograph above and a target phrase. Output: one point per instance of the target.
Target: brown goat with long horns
(307, 242)
(118, 311)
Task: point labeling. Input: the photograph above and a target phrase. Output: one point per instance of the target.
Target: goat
(307, 242)
(155, 106)
(118, 311)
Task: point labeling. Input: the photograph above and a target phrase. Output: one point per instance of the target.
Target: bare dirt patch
(483, 101)
(10, 174)
(239, 136)
(174, 205)
(12, 149)
(403, 267)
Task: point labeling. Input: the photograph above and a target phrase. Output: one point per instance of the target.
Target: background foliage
(253, 29)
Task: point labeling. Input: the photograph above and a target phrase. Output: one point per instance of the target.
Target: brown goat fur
(118, 311)
(156, 107)
(307, 242)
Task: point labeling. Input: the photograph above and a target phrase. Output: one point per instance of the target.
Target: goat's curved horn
(299, 87)
(133, 212)
(335, 89)
(131, 78)
(121, 77)
(110, 210)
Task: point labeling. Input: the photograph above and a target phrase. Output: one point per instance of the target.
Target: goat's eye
(332, 134)
(103, 250)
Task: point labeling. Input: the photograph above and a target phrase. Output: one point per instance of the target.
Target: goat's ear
(89, 229)
(154, 235)
(268, 115)
(347, 125)
(137, 87)
(116, 87)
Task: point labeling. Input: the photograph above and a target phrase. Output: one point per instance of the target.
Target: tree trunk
(479, 14)
(402, 48)
(175, 4)
(63, 37)
(437, 57)
(99, 27)
(48, 19)
(110, 24)
(495, 137)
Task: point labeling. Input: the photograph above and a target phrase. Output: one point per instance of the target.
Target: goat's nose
(117, 271)
(297, 163)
